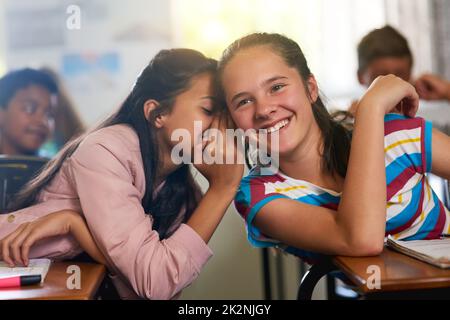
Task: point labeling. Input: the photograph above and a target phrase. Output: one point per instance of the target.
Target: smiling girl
(336, 192)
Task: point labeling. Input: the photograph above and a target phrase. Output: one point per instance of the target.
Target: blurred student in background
(27, 111)
(385, 51)
(381, 52)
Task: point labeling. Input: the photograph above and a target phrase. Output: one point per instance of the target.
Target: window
(327, 30)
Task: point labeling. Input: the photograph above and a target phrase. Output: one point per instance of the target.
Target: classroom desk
(55, 288)
(401, 277)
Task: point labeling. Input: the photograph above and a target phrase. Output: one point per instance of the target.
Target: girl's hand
(388, 93)
(15, 247)
(214, 161)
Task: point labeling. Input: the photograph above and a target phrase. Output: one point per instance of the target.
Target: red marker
(19, 281)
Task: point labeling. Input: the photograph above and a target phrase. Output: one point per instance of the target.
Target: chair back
(15, 172)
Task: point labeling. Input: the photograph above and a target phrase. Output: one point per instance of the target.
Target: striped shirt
(414, 211)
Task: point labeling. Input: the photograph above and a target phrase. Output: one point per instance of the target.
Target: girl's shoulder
(117, 143)
(119, 137)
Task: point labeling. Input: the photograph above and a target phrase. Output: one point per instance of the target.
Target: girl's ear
(149, 106)
(313, 89)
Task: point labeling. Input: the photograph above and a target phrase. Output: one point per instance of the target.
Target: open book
(435, 252)
(35, 266)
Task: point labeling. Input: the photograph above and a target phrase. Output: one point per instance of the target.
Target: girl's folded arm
(310, 228)
(80, 232)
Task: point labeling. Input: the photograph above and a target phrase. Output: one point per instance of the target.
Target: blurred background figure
(386, 51)
(28, 105)
(382, 51)
(27, 111)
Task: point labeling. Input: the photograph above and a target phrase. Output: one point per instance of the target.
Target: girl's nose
(263, 110)
(43, 119)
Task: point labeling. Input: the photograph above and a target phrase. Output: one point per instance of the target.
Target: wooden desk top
(55, 287)
(398, 272)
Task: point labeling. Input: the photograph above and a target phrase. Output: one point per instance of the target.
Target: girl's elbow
(363, 246)
(367, 248)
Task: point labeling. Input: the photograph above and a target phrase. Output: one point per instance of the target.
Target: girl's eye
(207, 111)
(243, 102)
(277, 87)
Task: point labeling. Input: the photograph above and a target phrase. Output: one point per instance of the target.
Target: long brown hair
(336, 139)
(168, 74)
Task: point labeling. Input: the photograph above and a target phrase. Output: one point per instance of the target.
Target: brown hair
(381, 43)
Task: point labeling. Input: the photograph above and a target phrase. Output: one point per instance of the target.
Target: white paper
(436, 252)
(35, 266)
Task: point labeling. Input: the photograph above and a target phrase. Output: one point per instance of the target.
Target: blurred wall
(100, 61)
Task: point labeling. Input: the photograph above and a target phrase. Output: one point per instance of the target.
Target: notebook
(35, 266)
(435, 252)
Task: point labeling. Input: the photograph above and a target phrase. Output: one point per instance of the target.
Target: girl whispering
(116, 193)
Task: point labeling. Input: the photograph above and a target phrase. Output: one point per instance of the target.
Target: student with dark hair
(386, 51)
(116, 192)
(27, 109)
(381, 52)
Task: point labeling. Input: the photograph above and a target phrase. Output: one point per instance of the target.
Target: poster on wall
(91, 72)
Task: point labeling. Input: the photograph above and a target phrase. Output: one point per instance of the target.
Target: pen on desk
(445, 235)
(19, 281)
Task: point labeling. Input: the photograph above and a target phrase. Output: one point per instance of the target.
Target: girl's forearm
(362, 211)
(80, 231)
(210, 211)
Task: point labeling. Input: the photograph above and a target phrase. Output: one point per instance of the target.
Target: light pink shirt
(104, 181)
